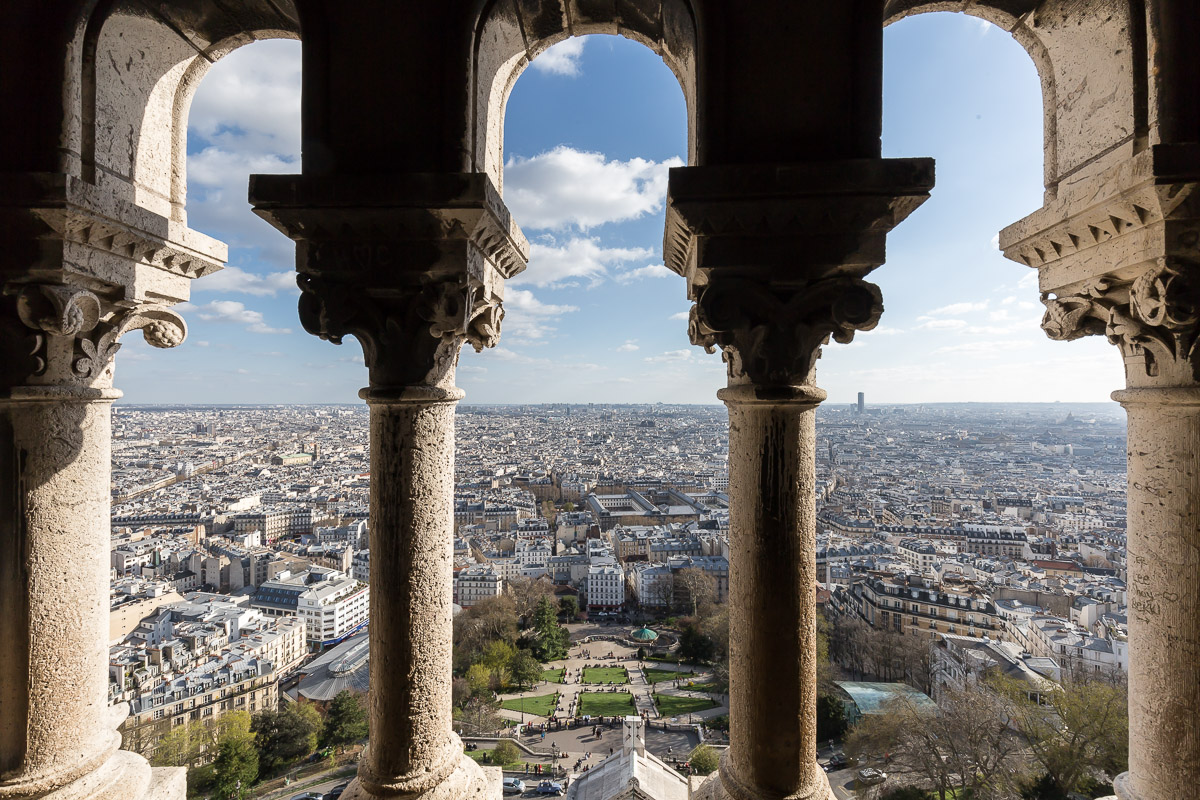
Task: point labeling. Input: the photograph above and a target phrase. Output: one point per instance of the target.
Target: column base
(124, 776)
(714, 788)
(1121, 785)
(469, 781)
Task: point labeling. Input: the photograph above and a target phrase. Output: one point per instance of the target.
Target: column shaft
(55, 723)
(772, 579)
(1163, 557)
(413, 750)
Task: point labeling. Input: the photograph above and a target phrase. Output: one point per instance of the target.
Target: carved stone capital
(775, 256)
(771, 336)
(1118, 255)
(412, 266)
(61, 335)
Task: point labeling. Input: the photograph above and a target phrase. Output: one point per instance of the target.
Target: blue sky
(591, 129)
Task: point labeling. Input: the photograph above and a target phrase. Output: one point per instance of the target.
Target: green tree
(526, 670)
(180, 747)
(479, 677)
(831, 717)
(694, 645)
(1079, 728)
(505, 753)
(346, 721)
(286, 735)
(236, 765)
(703, 759)
(550, 638)
(569, 605)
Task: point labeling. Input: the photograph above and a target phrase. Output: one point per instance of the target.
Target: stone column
(414, 269)
(58, 733)
(1163, 559)
(1117, 256)
(773, 577)
(413, 749)
(774, 256)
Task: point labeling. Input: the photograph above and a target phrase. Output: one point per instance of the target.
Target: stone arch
(1092, 69)
(510, 34)
(138, 70)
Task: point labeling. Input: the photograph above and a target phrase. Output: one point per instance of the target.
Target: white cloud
(1000, 315)
(682, 315)
(669, 357)
(562, 58)
(880, 332)
(996, 241)
(1029, 280)
(551, 265)
(233, 279)
(244, 118)
(235, 312)
(200, 343)
(471, 369)
(629, 346)
(504, 354)
(954, 309)
(527, 318)
(942, 325)
(1008, 300)
(565, 187)
(252, 98)
(648, 271)
(985, 348)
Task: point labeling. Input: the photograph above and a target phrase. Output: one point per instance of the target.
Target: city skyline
(591, 130)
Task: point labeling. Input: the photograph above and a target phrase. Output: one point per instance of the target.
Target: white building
(605, 587)
(332, 604)
(475, 583)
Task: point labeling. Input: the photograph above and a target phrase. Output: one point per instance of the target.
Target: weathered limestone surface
(775, 257)
(1164, 592)
(773, 580)
(412, 266)
(81, 269)
(413, 752)
(1118, 255)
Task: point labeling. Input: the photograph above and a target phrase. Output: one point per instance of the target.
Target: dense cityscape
(993, 535)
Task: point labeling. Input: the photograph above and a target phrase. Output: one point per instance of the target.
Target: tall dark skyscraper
(862, 402)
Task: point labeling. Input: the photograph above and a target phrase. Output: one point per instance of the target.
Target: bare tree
(966, 744)
(526, 592)
(659, 591)
(695, 587)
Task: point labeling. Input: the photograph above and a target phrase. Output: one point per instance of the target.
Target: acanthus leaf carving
(409, 337)
(772, 335)
(1153, 319)
(78, 333)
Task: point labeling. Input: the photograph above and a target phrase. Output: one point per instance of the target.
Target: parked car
(336, 792)
(869, 776)
(550, 787)
(514, 786)
(307, 796)
(836, 761)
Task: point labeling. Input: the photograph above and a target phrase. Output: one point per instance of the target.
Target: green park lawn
(654, 675)
(542, 705)
(605, 675)
(672, 705)
(605, 704)
(553, 675)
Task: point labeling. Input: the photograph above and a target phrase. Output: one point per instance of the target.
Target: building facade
(773, 227)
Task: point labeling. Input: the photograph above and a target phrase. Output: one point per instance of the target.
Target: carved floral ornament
(77, 334)
(773, 336)
(408, 338)
(1153, 319)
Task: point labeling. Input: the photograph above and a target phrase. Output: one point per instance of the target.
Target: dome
(644, 635)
